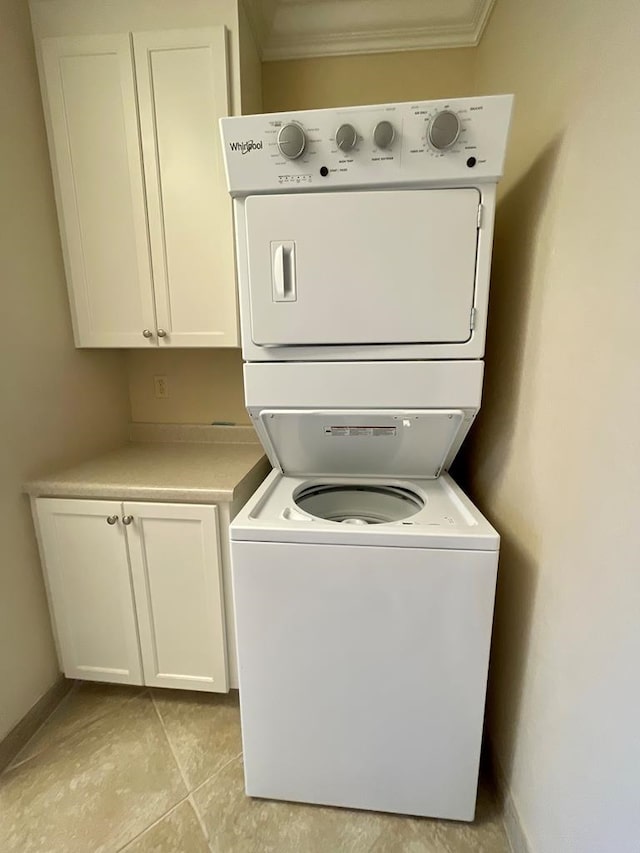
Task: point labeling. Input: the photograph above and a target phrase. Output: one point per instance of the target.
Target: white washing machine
(363, 613)
(363, 587)
(363, 577)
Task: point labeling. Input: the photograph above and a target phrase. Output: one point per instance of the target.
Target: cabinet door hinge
(472, 319)
(480, 209)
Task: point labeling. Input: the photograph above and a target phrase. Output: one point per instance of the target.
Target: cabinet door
(175, 561)
(182, 92)
(95, 151)
(89, 582)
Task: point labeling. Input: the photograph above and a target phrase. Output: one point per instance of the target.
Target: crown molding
(295, 29)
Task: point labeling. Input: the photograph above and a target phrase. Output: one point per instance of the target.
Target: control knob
(346, 137)
(383, 135)
(444, 130)
(292, 140)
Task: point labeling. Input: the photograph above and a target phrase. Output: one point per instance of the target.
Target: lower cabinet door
(175, 561)
(84, 551)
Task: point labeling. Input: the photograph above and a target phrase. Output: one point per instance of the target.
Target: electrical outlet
(161, 387)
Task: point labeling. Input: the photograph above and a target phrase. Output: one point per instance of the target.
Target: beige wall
(206, 386)
(250, 67)
(366, 79)
(58, 403)
(555, 456)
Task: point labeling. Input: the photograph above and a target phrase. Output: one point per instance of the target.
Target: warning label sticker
(360, 431)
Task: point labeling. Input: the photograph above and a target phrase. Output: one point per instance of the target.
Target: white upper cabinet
(145, 218)
(101, 203)
(182, 91)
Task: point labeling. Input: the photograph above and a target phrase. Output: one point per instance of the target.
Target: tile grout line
(154, 823)
(194, 804)
(200, 820)
(217, 772)
(181, 771)
(170, 745)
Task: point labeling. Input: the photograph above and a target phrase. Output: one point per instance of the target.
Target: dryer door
(397, 266)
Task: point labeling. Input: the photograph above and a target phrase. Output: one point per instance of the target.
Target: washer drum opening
(358, 504)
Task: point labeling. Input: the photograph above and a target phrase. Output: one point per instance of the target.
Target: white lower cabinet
(175, 562)
(136, 591)
(89, 580)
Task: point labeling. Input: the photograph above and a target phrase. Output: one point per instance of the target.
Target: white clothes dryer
(380, 250)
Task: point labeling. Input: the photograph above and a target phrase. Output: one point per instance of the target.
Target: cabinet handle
(111, 519)
(147, 333)
(127, 519)
(162, 333)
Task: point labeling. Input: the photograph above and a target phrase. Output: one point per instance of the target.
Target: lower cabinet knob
(147, 333)
(162, 333)
(127, 519)
(111, 519)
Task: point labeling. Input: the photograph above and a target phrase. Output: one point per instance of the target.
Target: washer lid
(365, 442)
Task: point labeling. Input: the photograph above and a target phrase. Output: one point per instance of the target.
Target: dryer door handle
(283, 271)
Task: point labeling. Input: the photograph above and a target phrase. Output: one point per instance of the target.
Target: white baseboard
(13, 742)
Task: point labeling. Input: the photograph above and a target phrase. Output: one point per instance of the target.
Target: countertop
(202, 470)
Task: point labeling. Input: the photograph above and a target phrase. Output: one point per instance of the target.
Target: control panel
(451, 142)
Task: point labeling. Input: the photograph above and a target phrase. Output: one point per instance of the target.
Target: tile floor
(119, 768)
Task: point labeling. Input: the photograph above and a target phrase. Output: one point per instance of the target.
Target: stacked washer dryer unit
(363, 577)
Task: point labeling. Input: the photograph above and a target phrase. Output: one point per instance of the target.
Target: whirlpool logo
(246, 147)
